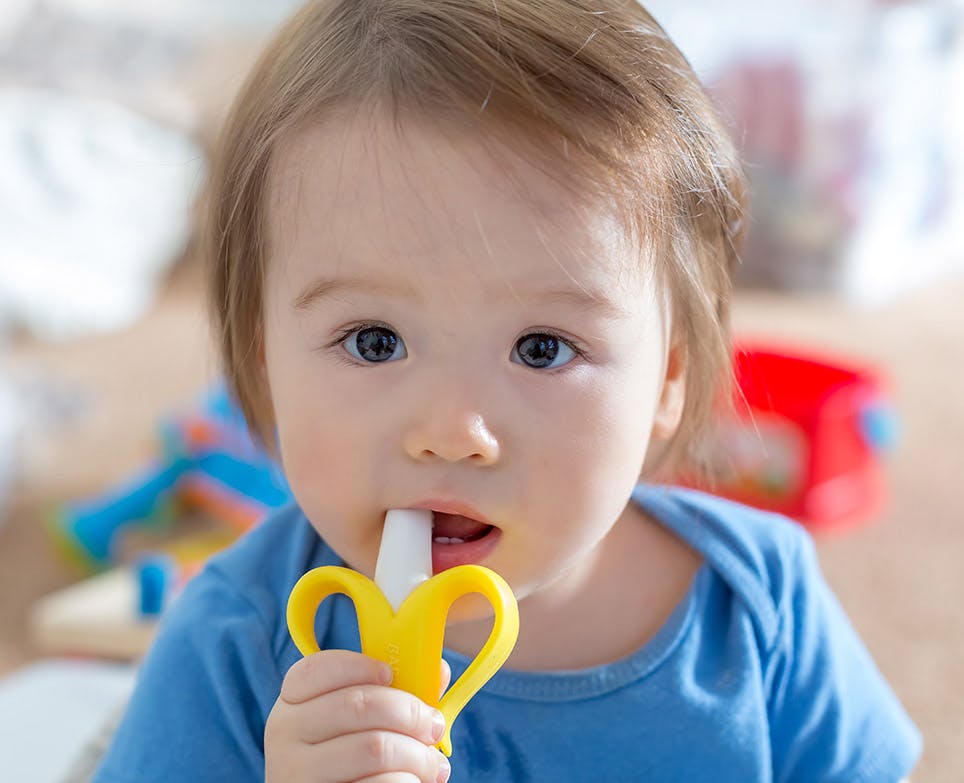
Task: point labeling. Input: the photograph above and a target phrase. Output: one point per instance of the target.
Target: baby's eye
(542, 351)
(375, 344)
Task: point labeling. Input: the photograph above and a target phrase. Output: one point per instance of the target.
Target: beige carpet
(901, 578)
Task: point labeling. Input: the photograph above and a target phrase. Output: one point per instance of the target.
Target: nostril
(475, 457)
(452, 440)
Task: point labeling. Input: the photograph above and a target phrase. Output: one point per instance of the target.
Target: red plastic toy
(806, 439)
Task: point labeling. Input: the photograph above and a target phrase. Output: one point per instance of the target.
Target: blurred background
(122, 466)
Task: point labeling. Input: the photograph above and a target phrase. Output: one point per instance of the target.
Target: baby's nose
(452, 435)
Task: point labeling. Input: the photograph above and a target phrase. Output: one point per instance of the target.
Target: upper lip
(452, 507)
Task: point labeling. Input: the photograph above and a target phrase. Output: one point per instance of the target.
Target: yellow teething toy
(401, 615)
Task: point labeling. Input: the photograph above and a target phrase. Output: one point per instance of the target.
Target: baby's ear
(669, 410)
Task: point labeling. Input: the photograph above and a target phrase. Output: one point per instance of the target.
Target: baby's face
(435, 338)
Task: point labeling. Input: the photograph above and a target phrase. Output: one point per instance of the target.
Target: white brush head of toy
(405, 556)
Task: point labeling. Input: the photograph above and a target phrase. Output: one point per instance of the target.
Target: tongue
(456, 526)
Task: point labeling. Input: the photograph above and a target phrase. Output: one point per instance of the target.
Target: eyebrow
(575, 297)
(328, 287)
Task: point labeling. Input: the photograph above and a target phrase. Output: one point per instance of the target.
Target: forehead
(361, 191)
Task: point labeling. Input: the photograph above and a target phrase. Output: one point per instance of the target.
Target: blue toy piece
(208, 460)
(880, 427)
(155, 578)
(90, 528)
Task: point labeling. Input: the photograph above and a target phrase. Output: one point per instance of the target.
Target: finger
(446, 677)
(331, 670)
(403, 777)
(364, 708)
(372, 753)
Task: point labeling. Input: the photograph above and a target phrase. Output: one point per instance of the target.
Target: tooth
(447, 540)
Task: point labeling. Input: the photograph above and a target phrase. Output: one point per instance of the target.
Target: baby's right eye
(374, 344)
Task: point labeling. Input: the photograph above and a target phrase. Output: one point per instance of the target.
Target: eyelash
(579, 352)
(344, 333)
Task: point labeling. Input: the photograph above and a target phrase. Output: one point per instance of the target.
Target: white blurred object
(12, 14)
(9, 439)
(848, 116)
(187, 14)
(95, 205)
(188, 18)
(167, 58)
(56, 712)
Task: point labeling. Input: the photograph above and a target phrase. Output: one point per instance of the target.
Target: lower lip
(445, 556)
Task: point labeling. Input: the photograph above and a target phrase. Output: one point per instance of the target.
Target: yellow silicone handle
(410, 641)
(452, 584)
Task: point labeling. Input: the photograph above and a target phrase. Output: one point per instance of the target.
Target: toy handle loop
(313, 588)
(460, 581)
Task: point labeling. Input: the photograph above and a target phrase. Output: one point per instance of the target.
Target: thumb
(446, 677)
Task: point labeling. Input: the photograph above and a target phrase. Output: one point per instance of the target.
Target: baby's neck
(610, 609)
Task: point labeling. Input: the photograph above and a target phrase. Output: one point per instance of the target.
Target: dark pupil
(376, 344)
(538, 350)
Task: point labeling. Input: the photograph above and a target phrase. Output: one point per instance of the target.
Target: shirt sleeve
(832, 715)
(203, 694)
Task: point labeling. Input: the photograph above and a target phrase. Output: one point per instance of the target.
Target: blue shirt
(757, 675)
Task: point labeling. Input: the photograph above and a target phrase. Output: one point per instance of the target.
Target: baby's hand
(338, 721)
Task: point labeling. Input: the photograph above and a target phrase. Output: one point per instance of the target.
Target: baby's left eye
(542, 351)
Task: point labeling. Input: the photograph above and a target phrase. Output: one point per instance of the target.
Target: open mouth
(460, 540)
(457, 529)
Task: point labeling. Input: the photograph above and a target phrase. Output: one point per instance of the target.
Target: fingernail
(438, 725)
(445, 769)
(386, 675)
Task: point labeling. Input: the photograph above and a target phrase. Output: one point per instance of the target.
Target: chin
(469, 609)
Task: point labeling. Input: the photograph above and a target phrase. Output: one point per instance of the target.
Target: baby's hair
(592, 90)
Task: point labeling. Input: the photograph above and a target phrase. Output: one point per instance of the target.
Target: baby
(473, 256)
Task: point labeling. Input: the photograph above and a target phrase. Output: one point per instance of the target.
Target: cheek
(610, 427)
(316, 429)
(319, 430)
(588, 462)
